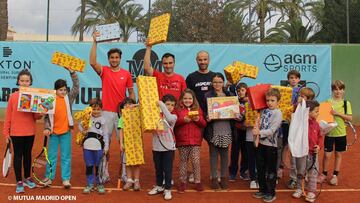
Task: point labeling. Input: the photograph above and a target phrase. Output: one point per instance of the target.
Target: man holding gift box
(200, 81)
(115, 81)
(168, 81)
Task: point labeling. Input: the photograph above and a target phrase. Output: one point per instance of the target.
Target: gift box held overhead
(234, 70)
(256, 95)
(159, 28)
(223, 107)
(67, 61)
(132, 136)
(37, 100)
(108, 32)
(148, 99)
(285, 104)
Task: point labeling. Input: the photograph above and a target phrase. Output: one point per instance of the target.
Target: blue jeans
(64, 140)
(238, 145)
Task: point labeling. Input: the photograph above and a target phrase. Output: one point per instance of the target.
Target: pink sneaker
(321, 178)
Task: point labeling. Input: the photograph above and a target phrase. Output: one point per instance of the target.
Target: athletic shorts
(340, 144)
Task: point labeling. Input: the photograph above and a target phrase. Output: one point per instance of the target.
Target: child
(19, 128)
(342, 112)
(266, 155)
(189, 137)
(307, 94)
(238, 141)
(218, 134)
(58, 127)
(132, 151)
(163, 157)
(307, 165)
(95, 144)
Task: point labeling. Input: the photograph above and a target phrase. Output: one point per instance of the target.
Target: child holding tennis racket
(163, 148)
(337, 136)
(19, 128)
(132, 149)
(58, 127)
(307, 165)
(95, 145)
(188, 135)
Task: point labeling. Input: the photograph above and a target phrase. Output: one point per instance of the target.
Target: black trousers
(163, 162)
(238, 144)
(22, 146)
(266, 158)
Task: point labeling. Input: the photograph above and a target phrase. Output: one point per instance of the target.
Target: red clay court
(348, 189)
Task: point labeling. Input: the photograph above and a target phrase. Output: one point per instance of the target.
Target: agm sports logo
(287, 62)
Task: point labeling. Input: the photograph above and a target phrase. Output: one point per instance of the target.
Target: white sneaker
(297, 194)
(254, 185)
(311, 197)
(334, 180)
(156, 190)
(66, 184)
(167, 195)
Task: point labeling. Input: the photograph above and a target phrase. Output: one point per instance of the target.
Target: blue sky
(29, 16)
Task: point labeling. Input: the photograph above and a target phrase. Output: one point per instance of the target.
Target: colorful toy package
(223, 107)
(37, 100)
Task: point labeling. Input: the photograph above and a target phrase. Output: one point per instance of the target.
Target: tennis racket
(313, 85)
(7, 160)
(351, 140)
(39, 164)
(166, 140)
(312, 166)
(103, 167)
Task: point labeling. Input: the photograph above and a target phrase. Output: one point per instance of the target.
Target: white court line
(208, 191)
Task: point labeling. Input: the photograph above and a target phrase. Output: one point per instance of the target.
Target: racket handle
(45, 140)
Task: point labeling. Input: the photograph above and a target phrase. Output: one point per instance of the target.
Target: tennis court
(348, 189)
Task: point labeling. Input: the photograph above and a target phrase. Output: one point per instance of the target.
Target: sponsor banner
(274, 62)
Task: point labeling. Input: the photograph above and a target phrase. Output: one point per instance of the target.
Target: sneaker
(244, 176)
(156, 190)
(254, 185)
(29, 182)
(128, 185)
(311, 197)
(334, 180)
(46, 182)
(224, 184)
(258, 195)
(66, 184)
(199, 187)
(280, 173)
(20, 187)
(321, 178)
(182, 188)
(297, 194)
(232, 178)
(167, 195)
(101, 189)
(269, 198)
(214, 184)
(291, 184)
(191, 178)
(137, 185)
(88, 189)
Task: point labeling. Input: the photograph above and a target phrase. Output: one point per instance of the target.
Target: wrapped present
(84, 117)
(36, 100)
(324, 112)
(285, 104)
(108, 32)
(132, 136)
(256, 95)
(67, 61)
(223, 107)
(148, 99)
(193, 113)
(250, 115)
(159, 28)
(234, 70)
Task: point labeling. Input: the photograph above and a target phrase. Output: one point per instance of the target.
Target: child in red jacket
(188, 136)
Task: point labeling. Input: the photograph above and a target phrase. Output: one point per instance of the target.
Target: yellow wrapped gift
(285, 104)
(193, 113)
(133, 144)
(67, 61)
(250, 115)
(234, 70)
(159, 28)
(148, 102)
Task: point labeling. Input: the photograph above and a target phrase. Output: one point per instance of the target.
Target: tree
(3, 20)
(125, 12)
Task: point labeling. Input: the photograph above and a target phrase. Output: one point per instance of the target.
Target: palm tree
(264, 10)
(3, 20)
(125, 12)
(291, 31)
